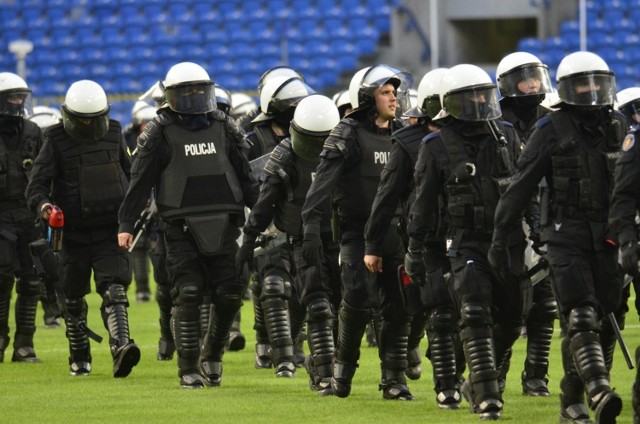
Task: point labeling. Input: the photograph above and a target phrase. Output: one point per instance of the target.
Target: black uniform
(88, 182)
(430, 304)
(539, 322)
(20, 142)
(202, 184)
(575, 151)
(348, 176)
(622, 219)
(282, 195)
(461, 171)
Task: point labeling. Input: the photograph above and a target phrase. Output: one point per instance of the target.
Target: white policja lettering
(199, 149)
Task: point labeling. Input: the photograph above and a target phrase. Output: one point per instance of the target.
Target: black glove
(536, 244)
(414, 266)
(629, 253)
(499, 257)
(312, 249)
(245, 256)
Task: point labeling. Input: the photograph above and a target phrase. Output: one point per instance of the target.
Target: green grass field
(45, 393)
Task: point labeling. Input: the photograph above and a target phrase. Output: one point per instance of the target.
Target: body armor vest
(582, 175)
(410, 139)
(357, 188)
(473, 193)
(91, 184)
(199, 178)
(267, 140)
(288, 215)
(15, 165)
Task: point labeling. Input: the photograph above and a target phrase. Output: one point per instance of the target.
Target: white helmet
(85, 111)
(628, 102)
(279, 94)
(523, 74)
(313, 120)
(142, 112)
(342, 101)
(189, 90)
(584, 79)
(467, 93)
(241, 104)
(375, 77)
(278, 71)
(15, 95)
(45, 116)
(223, 98)
(428, 101)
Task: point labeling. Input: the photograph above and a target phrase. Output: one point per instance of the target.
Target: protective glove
(245, 256)
(629, 256)
(536, 244)
(499, 257)
(414, 266)
(312, 249)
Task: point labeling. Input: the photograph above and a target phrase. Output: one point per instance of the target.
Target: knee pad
(29, 286)
(115, 294)
(188, 294)
(229, 295)
(274, 286)
(319, 310)
(474, 314)
(582, 318)
(545, 310)
(442, 320)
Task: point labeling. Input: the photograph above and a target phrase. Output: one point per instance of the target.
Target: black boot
(226, 306)
(79, 348)
(125, 352)
(441, 331)
(321, 346)
(186, 334)
(392, 344)
(540, 333)
(237, 340)
(353, 323)
(166, 346)
(276, 317)
(26, 307)
(414, 357)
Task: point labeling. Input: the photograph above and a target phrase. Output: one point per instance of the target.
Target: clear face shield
(431, 105)
(526, 80)
(288, 95)
(632, 111)
(87, 128)
(479, 103)
(16, 102)
(589, 89)
(379, 75)
(192, 98)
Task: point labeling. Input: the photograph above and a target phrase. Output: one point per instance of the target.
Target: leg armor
(79, 348)
(320, 339)
(441, 331)
(6, 288)
(373, 328)
(353, 323)
(416, 334)
(590, 363)
(140, 265)
(166, 346)
(205, 315)
(540, 332)
(297, 314)
(185, 326)
(572, 405)
(26, 307)
(263, 350)
(392, 346)
(275, 292)
(481, 388)
(227, 303)
(236, 338)
(125, 352)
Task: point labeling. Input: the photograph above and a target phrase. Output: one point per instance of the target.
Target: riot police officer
(575, 149)
(83, 168)
(192, 155)
(278, 100)
(347, 176)
(460, 173)
(434, 305)
(241, 105)
(288, 177)
(342, 102)
(20, 142)
(628, 103)
(523, 82)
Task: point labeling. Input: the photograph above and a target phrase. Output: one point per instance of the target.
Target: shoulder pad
(152, 132)
(336, 142)
(279, 158)
(543, 121)
(398, 124)
(506, 124)
(409, 131)
(431, 136)
(218, 115)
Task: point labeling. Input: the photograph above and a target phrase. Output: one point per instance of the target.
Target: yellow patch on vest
(628, 142)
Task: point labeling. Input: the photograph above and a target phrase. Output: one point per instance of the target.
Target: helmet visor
(306, 144)
(288, 95)
(16, 102)
(526, 80)
(431, 106)
(85, 128)
(379, 75)
(632, 111)
(589, 89)
(478, 103)
(195, 98)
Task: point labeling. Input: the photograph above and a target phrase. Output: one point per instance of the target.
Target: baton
(623, 346)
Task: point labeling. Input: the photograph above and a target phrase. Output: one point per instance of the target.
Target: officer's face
(586, 86)
(529, 86)
(386, 101)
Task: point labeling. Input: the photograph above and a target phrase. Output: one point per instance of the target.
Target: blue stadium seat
(531, 45)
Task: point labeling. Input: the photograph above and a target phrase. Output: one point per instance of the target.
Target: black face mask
(194, 122)
(283, 119)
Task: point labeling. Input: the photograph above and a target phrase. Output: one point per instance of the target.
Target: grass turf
(46, 393)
